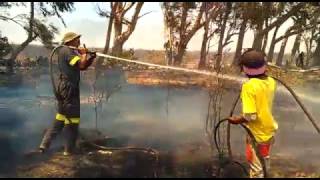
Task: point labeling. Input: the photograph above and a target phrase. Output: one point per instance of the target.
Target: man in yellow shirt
(257, 99)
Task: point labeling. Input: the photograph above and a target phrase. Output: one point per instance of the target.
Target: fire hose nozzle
(92, 52)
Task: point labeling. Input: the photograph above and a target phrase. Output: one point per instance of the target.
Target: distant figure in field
(299, 60)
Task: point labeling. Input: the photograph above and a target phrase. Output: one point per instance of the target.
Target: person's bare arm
(243, 118)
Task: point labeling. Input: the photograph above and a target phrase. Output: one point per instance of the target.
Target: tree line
(219, 22)
(224, 20)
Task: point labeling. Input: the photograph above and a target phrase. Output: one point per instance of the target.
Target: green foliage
(45, 33)
(174, 11)
(38, 25)
(4, 4)
(55, 8)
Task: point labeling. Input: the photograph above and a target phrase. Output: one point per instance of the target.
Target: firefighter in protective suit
(71, 62)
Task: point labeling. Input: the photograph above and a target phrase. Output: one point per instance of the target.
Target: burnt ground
(191, 160)
(186, 161)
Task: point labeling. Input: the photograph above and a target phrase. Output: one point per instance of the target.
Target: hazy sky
(147, 35)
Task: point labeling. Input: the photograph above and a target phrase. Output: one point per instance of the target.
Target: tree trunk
(296, 47)
(288, 33)
(122, 37)
(307, 48)
(182, 35)
(309, 54)
(171, 58)
(30, 38)
(272, 45)
(278, 22)
(185, 36)
(178, 57)
(258, 37)
(264, 42)
(265, 39)
(257, 43)
(316, 55)
(203, 55)
(168, 34)
(281, 52)
(117, 49)
(106, 47)
(109, 31)
(223, 28)
(242, 31)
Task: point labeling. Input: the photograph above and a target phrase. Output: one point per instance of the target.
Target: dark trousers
(67, 118)
(70, 134)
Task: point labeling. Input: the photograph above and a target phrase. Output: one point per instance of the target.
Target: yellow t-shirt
(257, 97)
